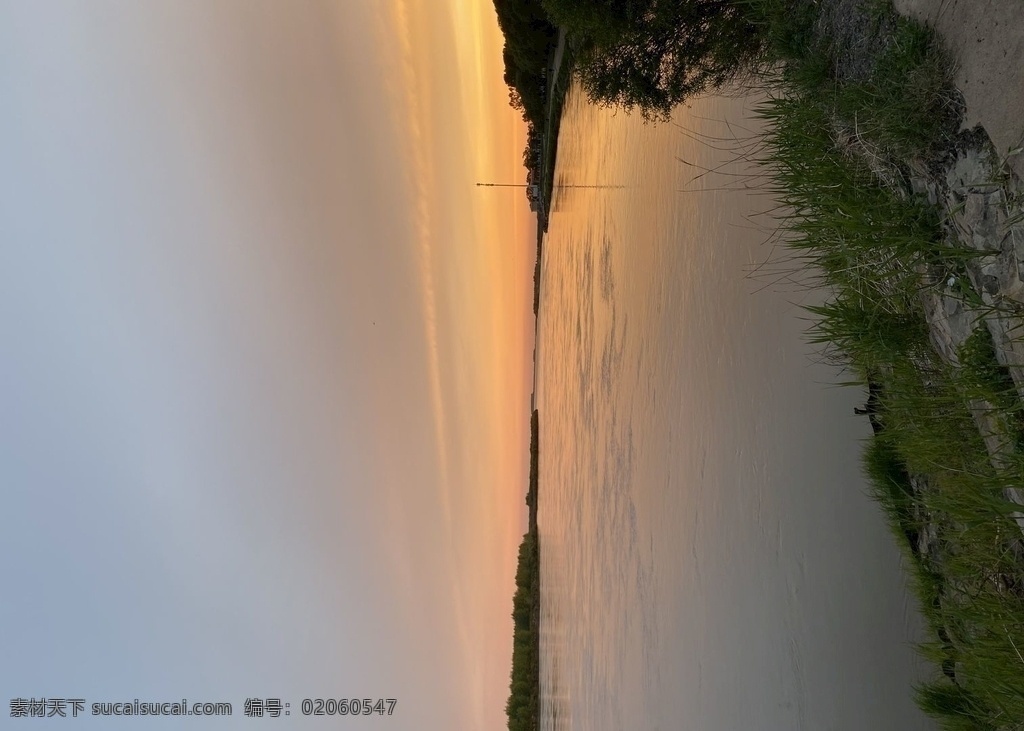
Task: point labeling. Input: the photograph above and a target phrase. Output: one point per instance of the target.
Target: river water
(710, 557)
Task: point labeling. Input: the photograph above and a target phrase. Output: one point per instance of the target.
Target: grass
(897, 93)
(841, 143)
(906, 106)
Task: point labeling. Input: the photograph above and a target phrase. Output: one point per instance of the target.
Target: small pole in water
(567, 185)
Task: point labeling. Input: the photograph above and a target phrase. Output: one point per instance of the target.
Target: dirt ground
(987, 39)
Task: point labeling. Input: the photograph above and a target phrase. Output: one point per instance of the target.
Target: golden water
(710, 558)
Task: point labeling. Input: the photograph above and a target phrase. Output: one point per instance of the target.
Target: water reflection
(709, 558)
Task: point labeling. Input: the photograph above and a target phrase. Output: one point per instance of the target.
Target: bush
(652, 55)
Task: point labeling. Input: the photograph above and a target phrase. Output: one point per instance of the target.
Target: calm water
(710, 559)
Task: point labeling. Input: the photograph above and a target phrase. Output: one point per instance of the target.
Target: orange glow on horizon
(475, 251)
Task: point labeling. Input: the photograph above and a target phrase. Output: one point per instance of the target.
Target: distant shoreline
(523, 706)
(531, 494)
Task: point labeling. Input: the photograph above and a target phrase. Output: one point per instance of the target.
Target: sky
(265, 356)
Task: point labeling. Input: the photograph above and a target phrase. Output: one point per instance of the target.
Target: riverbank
(561, 73)
(917, 225)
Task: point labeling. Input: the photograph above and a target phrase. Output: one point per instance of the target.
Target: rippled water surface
(710, 559)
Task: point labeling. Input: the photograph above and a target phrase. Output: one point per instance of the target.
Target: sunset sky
(266, 355)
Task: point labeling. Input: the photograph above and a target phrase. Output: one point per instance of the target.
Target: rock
(983, 205)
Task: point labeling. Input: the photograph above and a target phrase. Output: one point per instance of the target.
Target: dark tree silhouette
(651, 55)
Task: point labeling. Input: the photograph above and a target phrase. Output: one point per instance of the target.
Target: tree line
(530, 38)
(648, 55)
(524, 687)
